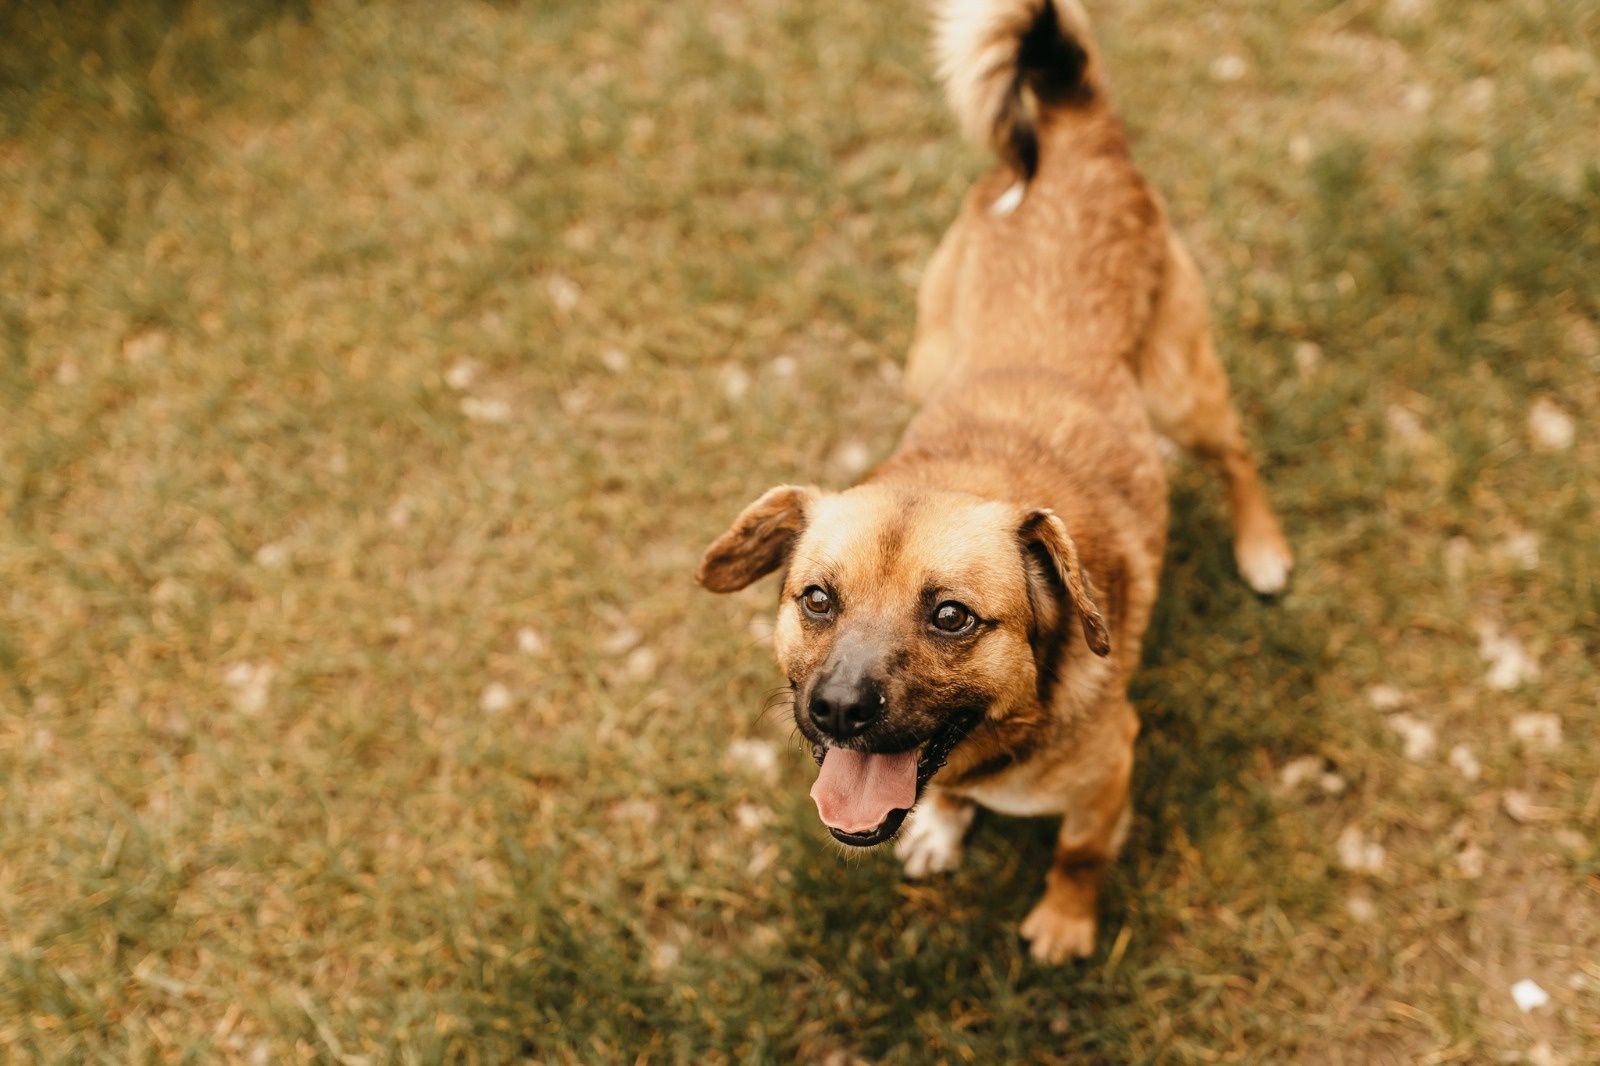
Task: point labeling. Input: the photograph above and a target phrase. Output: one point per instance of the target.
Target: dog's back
(1035, 305)
(1058, 255)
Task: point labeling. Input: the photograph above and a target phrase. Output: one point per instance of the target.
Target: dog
(959, 628)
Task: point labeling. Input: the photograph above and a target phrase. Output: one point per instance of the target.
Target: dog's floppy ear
(759, 541)
(1055, 567)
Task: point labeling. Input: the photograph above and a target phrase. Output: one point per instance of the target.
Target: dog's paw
(1054, 937)
(1264, 562)
(930, 843)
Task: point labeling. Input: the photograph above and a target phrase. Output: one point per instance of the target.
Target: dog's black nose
(842, 708)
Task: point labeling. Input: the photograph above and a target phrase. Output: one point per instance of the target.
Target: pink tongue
(856, 792)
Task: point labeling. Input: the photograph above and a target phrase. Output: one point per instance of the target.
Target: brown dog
(960, 627)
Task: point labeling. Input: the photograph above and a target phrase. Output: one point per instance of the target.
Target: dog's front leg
(930, 843)
(1061, 925)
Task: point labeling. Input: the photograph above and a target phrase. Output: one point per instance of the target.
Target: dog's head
(907, 616)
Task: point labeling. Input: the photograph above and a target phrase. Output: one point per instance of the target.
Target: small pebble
(491, 412)
(461, 375)
(1465, 763)
(620, 641)
(1297, 772)
(1528, 995)
(564, 292)
(1359, 854)
(1361, 908)
(1537, 730)
(735, 382)
(851, 458)
(495, 698)
(1510, 665)
(757, 757)
(1551, 428)
(1228, 68)
(751, 817)
(1307, 358)
(1418, 738)
(1385, 697)
(1519, 807)
(641, 662)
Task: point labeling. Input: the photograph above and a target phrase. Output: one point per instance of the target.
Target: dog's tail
(1004, 62)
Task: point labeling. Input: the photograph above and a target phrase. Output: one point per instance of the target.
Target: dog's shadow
(1224, 676)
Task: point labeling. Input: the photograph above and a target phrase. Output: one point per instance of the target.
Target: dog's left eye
(816, 601)
(952, 617)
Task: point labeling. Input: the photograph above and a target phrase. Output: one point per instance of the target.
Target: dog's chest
(1016, 793)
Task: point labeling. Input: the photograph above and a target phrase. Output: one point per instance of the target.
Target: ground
(371, 377)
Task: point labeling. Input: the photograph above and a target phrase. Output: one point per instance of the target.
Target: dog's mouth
(863, 797)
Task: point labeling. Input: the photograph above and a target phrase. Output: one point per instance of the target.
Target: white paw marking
(930, 842)
(1265, 566)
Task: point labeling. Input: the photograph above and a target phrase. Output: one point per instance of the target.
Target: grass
(372, 375)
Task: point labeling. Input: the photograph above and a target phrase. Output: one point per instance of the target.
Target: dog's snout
(848, 697)
(843, 708)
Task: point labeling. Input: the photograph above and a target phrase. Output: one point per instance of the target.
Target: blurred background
(371, 376)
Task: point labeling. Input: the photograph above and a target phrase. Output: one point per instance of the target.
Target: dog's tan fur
(1056, 337)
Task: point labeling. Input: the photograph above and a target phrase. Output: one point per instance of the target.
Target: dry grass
(372, 376)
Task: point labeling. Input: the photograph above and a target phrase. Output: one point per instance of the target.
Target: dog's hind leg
(930, 843)
(1186, 393)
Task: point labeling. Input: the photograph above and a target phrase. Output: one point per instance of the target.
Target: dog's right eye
(816, 601)
(953, 618)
